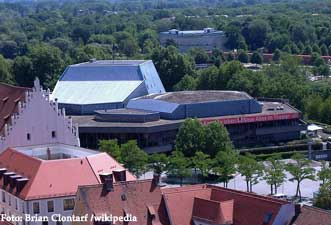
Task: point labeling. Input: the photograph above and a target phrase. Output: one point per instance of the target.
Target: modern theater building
(105, 84)
(153, 120)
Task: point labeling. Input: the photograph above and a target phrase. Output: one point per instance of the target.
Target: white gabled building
(29, 117)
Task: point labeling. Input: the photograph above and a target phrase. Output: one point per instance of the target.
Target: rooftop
(219, 205)
(186, 97)
(142, 199)
(312, 216)
(111, 63)
(54, 178)
(269, 109)
(9, 97)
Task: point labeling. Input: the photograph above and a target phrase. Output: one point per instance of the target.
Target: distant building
(105, 84)
(154, 120)
(140, 201)
(43, 180)
(28, 117)
(206, 39)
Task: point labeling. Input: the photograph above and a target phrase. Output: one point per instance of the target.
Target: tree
(190, 137)
(111, 147)
(225, 165)
(158, 162)
(202, 162)
(243, 57)
(308, 50)
(23, 71)
(250, 169)
(276, 55)
(187, 83)
(47, 63)
(300, 171)
(256, 33)
(323, 198)
(171, 65)
(178, 166)
(256, 58)
(216, 138)
(134, 158)
(324, 50)
(5, 75)
(324, 174)
(199, 55)
(325, 111)
(274, 173)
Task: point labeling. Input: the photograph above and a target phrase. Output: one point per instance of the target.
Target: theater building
(154, 120)
(105, 84)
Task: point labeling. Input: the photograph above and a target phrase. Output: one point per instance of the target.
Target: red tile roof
(313, 216)
(248, 208)
(142, 199)
(9, 97)
(55, 178)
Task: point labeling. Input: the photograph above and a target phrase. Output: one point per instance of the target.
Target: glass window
(23, 209)
(16, 204)
(50, 206)
(53, 134)
(36, 209)
(28, 136)
(9, 200)
(68, 204)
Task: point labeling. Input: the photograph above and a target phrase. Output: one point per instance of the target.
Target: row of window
(28, 135)
(68, 204)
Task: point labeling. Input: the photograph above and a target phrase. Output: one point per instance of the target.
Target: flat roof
(283, 109)
(182, 97)
(125, 111)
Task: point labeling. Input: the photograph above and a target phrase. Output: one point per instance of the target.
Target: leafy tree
(225, 164)
(300, 171)
(243, 57)
(47, 63)
(256, 33)
(325, 113)
(5, 74)
(323, 198)
(158, 162)
(178, 166)
(112, 148)
(308, 50)
(250, 169)
(256, 58)
(202, 162)
(134, 158)
(276, 55)
(274, 173)
(190, 137)
(187, 83)
(171, 65)
(23, 71)
(324, 174)
(316, 49)
(199, 55)
(216, 138)
(324, 50)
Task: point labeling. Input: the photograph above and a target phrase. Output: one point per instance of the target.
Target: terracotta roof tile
(9, 96)
(55, 178)
(143, 199)
(248, 208)
(313, 216)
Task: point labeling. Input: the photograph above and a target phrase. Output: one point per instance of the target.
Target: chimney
(107, 180)
(49, 155)
(297, 209)
(120, 175)
(156, 179)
